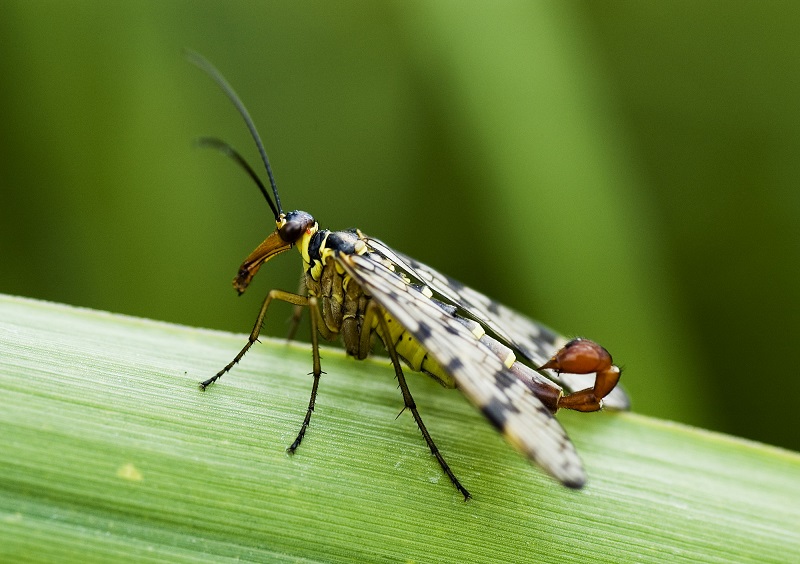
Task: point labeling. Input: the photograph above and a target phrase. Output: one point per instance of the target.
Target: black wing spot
(546, 335)
(493, 307)
(423, 333)
(455, 284)
(496, 412)
(454, 365)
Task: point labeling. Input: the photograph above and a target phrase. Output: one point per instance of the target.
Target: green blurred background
(621, 170)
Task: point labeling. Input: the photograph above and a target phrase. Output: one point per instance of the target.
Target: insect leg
(297, 313)
(408, 400)
(317, 326)
(272, 295)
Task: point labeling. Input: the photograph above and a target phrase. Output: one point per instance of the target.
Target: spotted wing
(478, 372)
(528, 338)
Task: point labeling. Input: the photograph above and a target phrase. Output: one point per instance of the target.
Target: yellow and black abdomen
(413, 353)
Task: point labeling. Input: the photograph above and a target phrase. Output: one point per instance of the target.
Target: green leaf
(108, 451)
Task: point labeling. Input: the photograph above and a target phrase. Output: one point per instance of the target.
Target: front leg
(297, 312)
(299, 301)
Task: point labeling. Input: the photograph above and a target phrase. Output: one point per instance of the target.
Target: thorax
(342, 301)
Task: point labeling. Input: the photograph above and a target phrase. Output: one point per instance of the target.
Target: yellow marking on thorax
(302, 245)
(326, 253)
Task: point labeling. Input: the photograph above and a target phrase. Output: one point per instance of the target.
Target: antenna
(226, 149)
(200, 62)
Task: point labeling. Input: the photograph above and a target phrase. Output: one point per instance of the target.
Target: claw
(582, 356)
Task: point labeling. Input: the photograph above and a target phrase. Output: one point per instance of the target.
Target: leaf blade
(106, 442)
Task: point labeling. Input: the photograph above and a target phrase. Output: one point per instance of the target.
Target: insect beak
(271, 246)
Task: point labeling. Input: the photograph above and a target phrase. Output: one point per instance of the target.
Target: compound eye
(297, 223)
(292, 231)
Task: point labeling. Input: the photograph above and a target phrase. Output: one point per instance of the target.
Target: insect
(359, 290)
